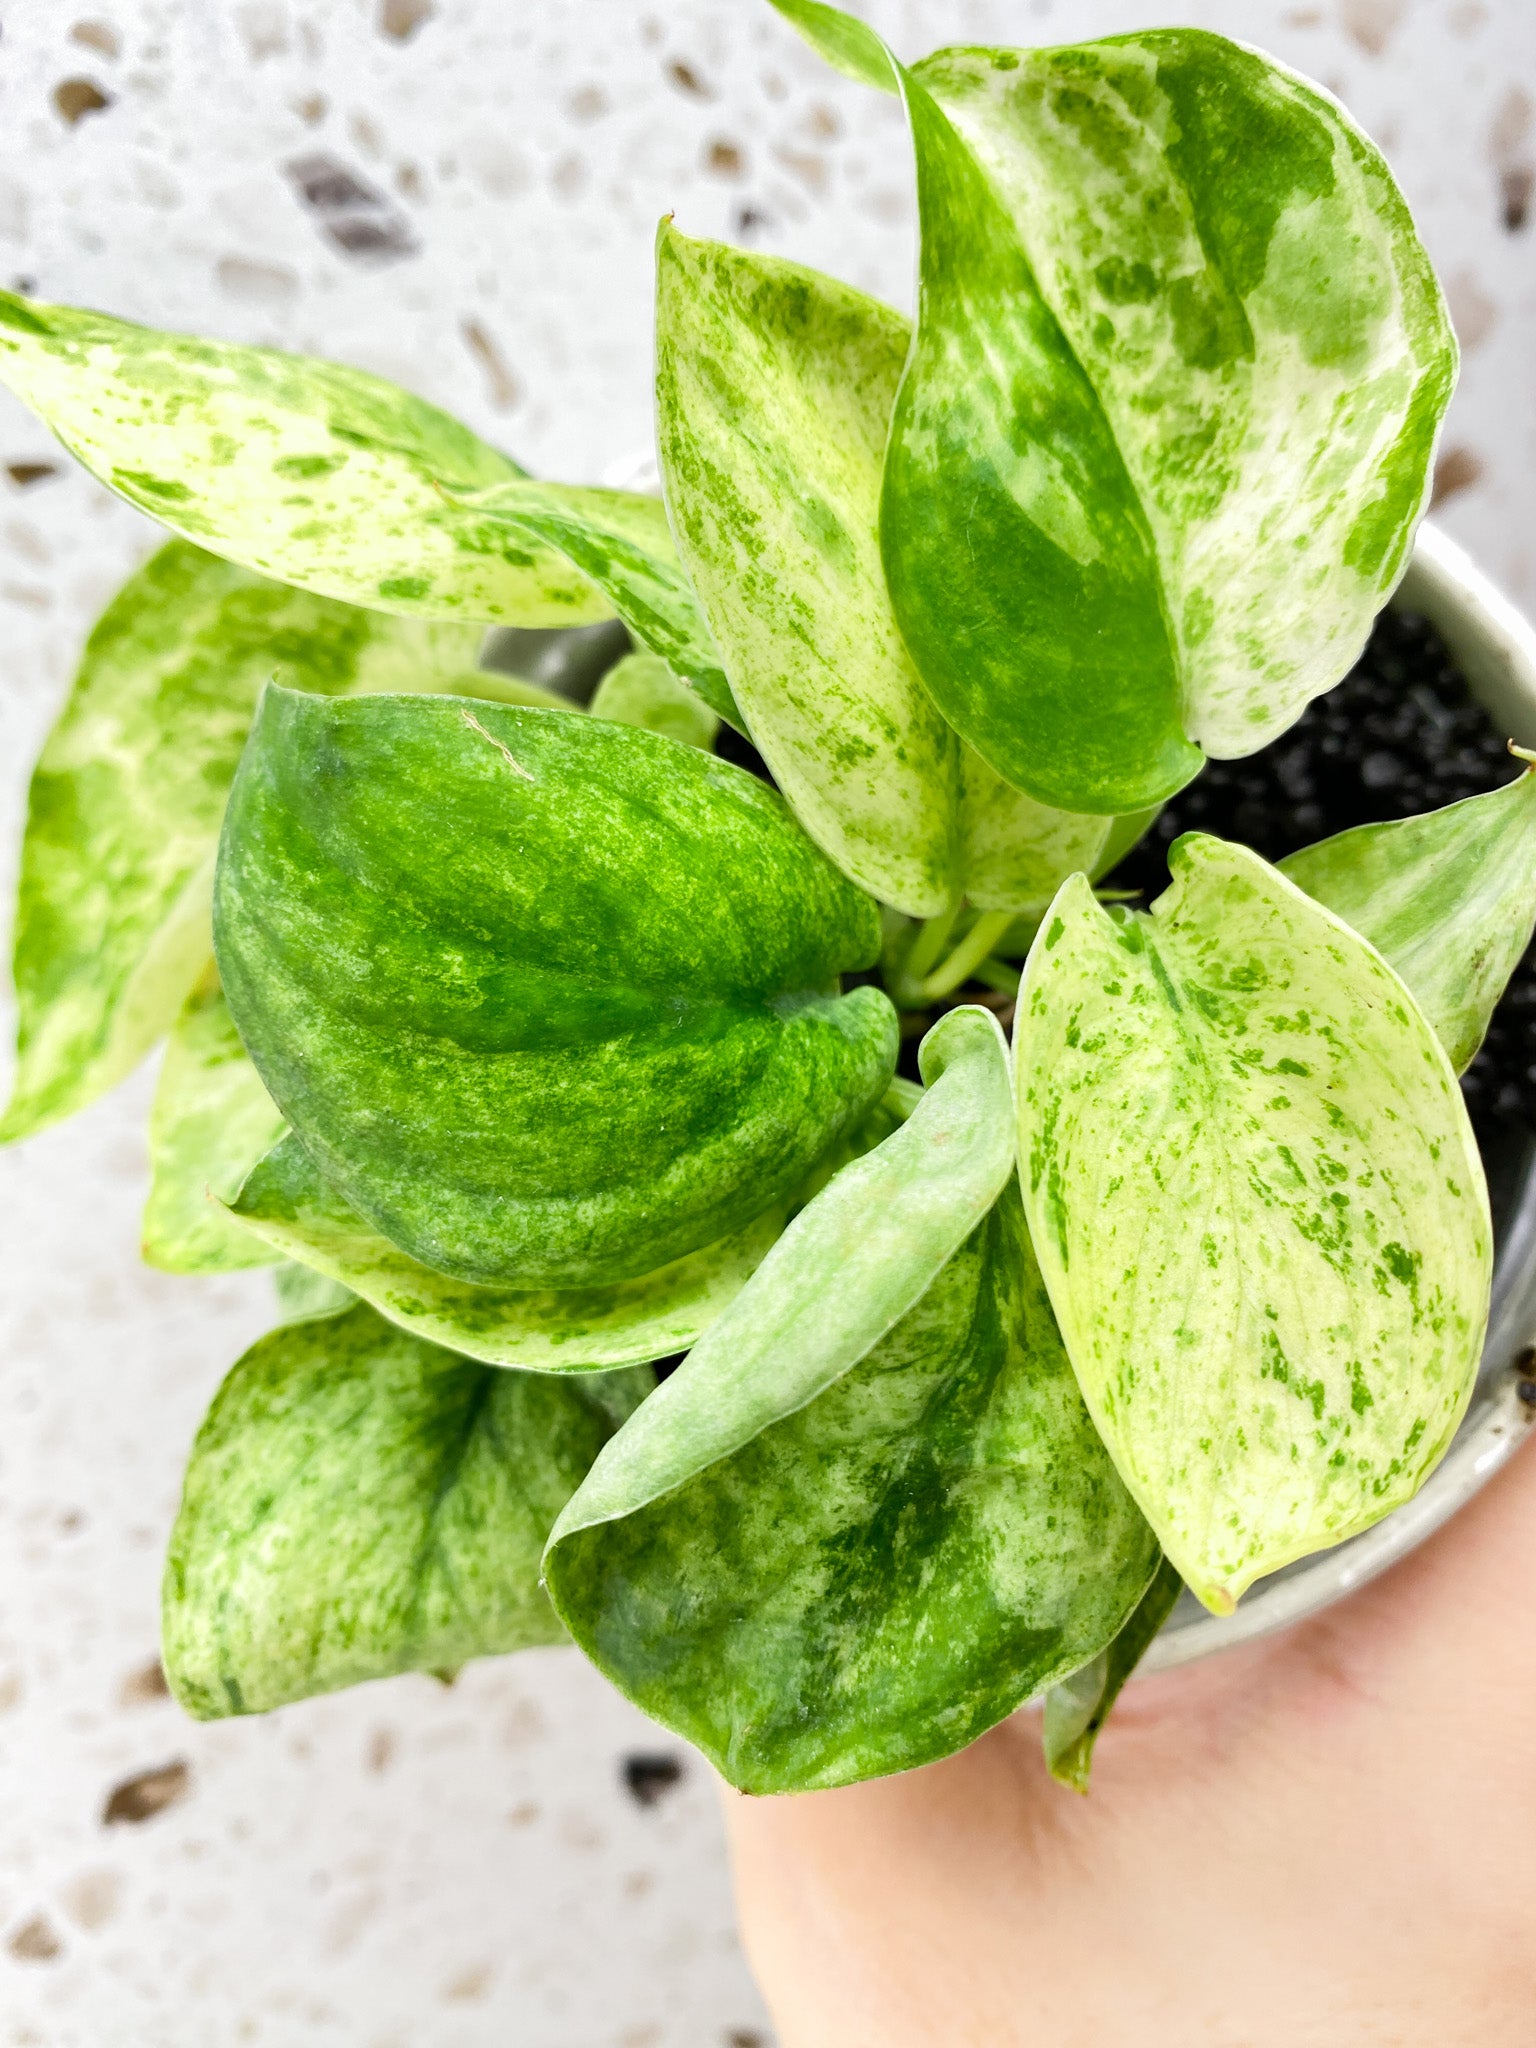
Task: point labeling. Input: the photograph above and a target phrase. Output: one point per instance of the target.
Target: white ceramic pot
(1495, 649)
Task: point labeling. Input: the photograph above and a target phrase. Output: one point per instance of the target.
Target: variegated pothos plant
(518, 1031)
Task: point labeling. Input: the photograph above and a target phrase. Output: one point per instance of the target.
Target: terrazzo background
(461, 196)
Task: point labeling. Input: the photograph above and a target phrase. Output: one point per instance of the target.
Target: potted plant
(535, 1044)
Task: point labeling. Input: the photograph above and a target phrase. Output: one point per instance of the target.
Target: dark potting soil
(1401, 734)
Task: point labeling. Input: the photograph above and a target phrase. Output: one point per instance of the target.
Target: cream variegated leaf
(779, 525)
(112, 924)
(1168, 422)
(211, 1121)
(1449, 899)
(1258, 1206)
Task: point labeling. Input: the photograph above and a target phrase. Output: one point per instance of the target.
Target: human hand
(1324, 1840)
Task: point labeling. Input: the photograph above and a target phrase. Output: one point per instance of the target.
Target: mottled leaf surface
(643, 690)
(211, 1121)
(1448, 899)
(622, 541)
(551, 1001)
(849, 1266)
(1018, 554)
(870, 1514)
(289, 1206)
(1258, 1206)
(1239, 277)
(315, 474)
(360, 1503)
(1077, 1708)
(776, 387)
(1222, 258)
(123, 816)
(302, 1292)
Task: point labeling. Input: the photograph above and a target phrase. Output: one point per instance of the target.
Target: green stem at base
(971, 951)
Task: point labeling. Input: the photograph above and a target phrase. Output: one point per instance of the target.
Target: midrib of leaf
(430, 1552)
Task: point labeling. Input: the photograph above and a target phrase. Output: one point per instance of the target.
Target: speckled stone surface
(461, 196)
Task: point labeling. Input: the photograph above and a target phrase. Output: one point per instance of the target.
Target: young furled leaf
(1447, 899)
(551, 1001)
(643, 690)
(779, 526)
(212, 1120)
(288, 1205)
(883, 1426)
(1077, 1708)
(1183, 283)
(112, 926)
(359, 1503)
(1258, 1206)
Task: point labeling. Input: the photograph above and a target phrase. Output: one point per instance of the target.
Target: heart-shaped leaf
(1448, 899)
(1175, 327)
(881, 1427)
(112, 926)
(550, 1000)
(1258, 1206)
(359, 1503)
(212, 1121)
(289, 1207)
(775, 388)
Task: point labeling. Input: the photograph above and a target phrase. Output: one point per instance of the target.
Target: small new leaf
(642, 690)
(1077, 1708)
(1258, 1206)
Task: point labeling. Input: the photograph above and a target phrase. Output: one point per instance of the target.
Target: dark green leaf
(550, 1000)
(869, 1514)
(360, 1503)
(1019, 558)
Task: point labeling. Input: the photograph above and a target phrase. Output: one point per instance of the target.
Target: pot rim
(1494, 646)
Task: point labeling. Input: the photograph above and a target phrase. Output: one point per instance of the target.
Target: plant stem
(929, 944)
(999, 975)
(971, 951)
